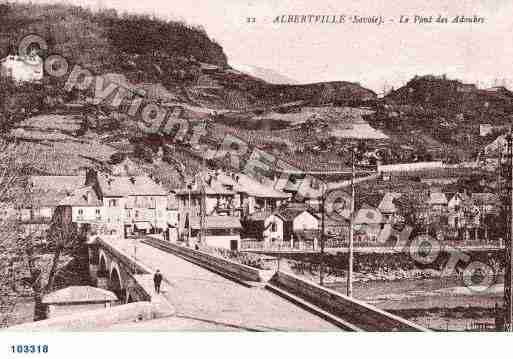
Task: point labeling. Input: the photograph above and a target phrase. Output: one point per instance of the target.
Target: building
(218, 200)
(251, 195)
(459, 207)
(437, 201)
(45, 194)
(22, 68)
(136, 203)
(121, 205)
(289, 224)
(219, 231)
(254, 225)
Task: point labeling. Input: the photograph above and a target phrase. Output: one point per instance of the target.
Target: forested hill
(146, 49)
(100, 38)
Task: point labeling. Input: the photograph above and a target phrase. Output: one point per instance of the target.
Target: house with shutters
(251, 196)
(120, 205)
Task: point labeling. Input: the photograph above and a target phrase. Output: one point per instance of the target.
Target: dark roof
(48, 191)
(82, 197)
(372, 199)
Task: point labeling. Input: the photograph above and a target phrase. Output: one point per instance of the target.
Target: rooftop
(82, 197)
(50, 190)
(216, 222)
(291, 212)
(123, 186)
(243, 183)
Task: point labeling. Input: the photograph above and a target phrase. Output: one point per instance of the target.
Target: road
(201, 296)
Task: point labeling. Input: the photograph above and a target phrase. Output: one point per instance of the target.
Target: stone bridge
(116, 271)
(208, 292)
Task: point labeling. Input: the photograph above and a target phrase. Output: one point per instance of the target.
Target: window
(274, 227)
(113, 203)
(98, 213)
(136, 214)
(80, 212)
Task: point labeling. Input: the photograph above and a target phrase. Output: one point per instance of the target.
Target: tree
(31, 251)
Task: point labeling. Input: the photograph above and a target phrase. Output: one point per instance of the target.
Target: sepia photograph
(239, 166)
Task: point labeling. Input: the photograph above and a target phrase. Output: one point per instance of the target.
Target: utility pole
(499, 170)
(508, 298)
(351, 218)
(323, 212)
(323, 216)
(201, 236)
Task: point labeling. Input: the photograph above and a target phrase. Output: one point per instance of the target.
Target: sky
(375, 56)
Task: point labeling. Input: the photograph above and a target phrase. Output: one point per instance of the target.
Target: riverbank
(421, 295)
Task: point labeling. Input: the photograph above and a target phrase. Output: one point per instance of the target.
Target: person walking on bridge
(157, 279)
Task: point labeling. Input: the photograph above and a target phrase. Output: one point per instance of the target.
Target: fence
(338, 243)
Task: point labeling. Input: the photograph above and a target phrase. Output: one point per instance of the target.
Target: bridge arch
(115, 271)
(115, 282)
(102, 268)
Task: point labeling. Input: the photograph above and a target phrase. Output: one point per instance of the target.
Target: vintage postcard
(291, 166)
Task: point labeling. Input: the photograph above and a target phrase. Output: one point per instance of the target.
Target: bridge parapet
(239, 272)
(363, 315)
(114, 269)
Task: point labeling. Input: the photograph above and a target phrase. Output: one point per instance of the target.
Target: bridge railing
(361, 314)
(238, 271)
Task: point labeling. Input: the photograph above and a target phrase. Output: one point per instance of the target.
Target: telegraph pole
(323, 216)
(351, 217)
(508, 298)
(202, 205)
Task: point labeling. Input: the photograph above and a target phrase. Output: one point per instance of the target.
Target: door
(234, 245)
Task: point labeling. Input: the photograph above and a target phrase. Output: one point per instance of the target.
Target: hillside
(176, 64)
(145, 49)
(265, 74)
(442, 116)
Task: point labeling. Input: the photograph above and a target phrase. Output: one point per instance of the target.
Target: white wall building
(22, 68)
